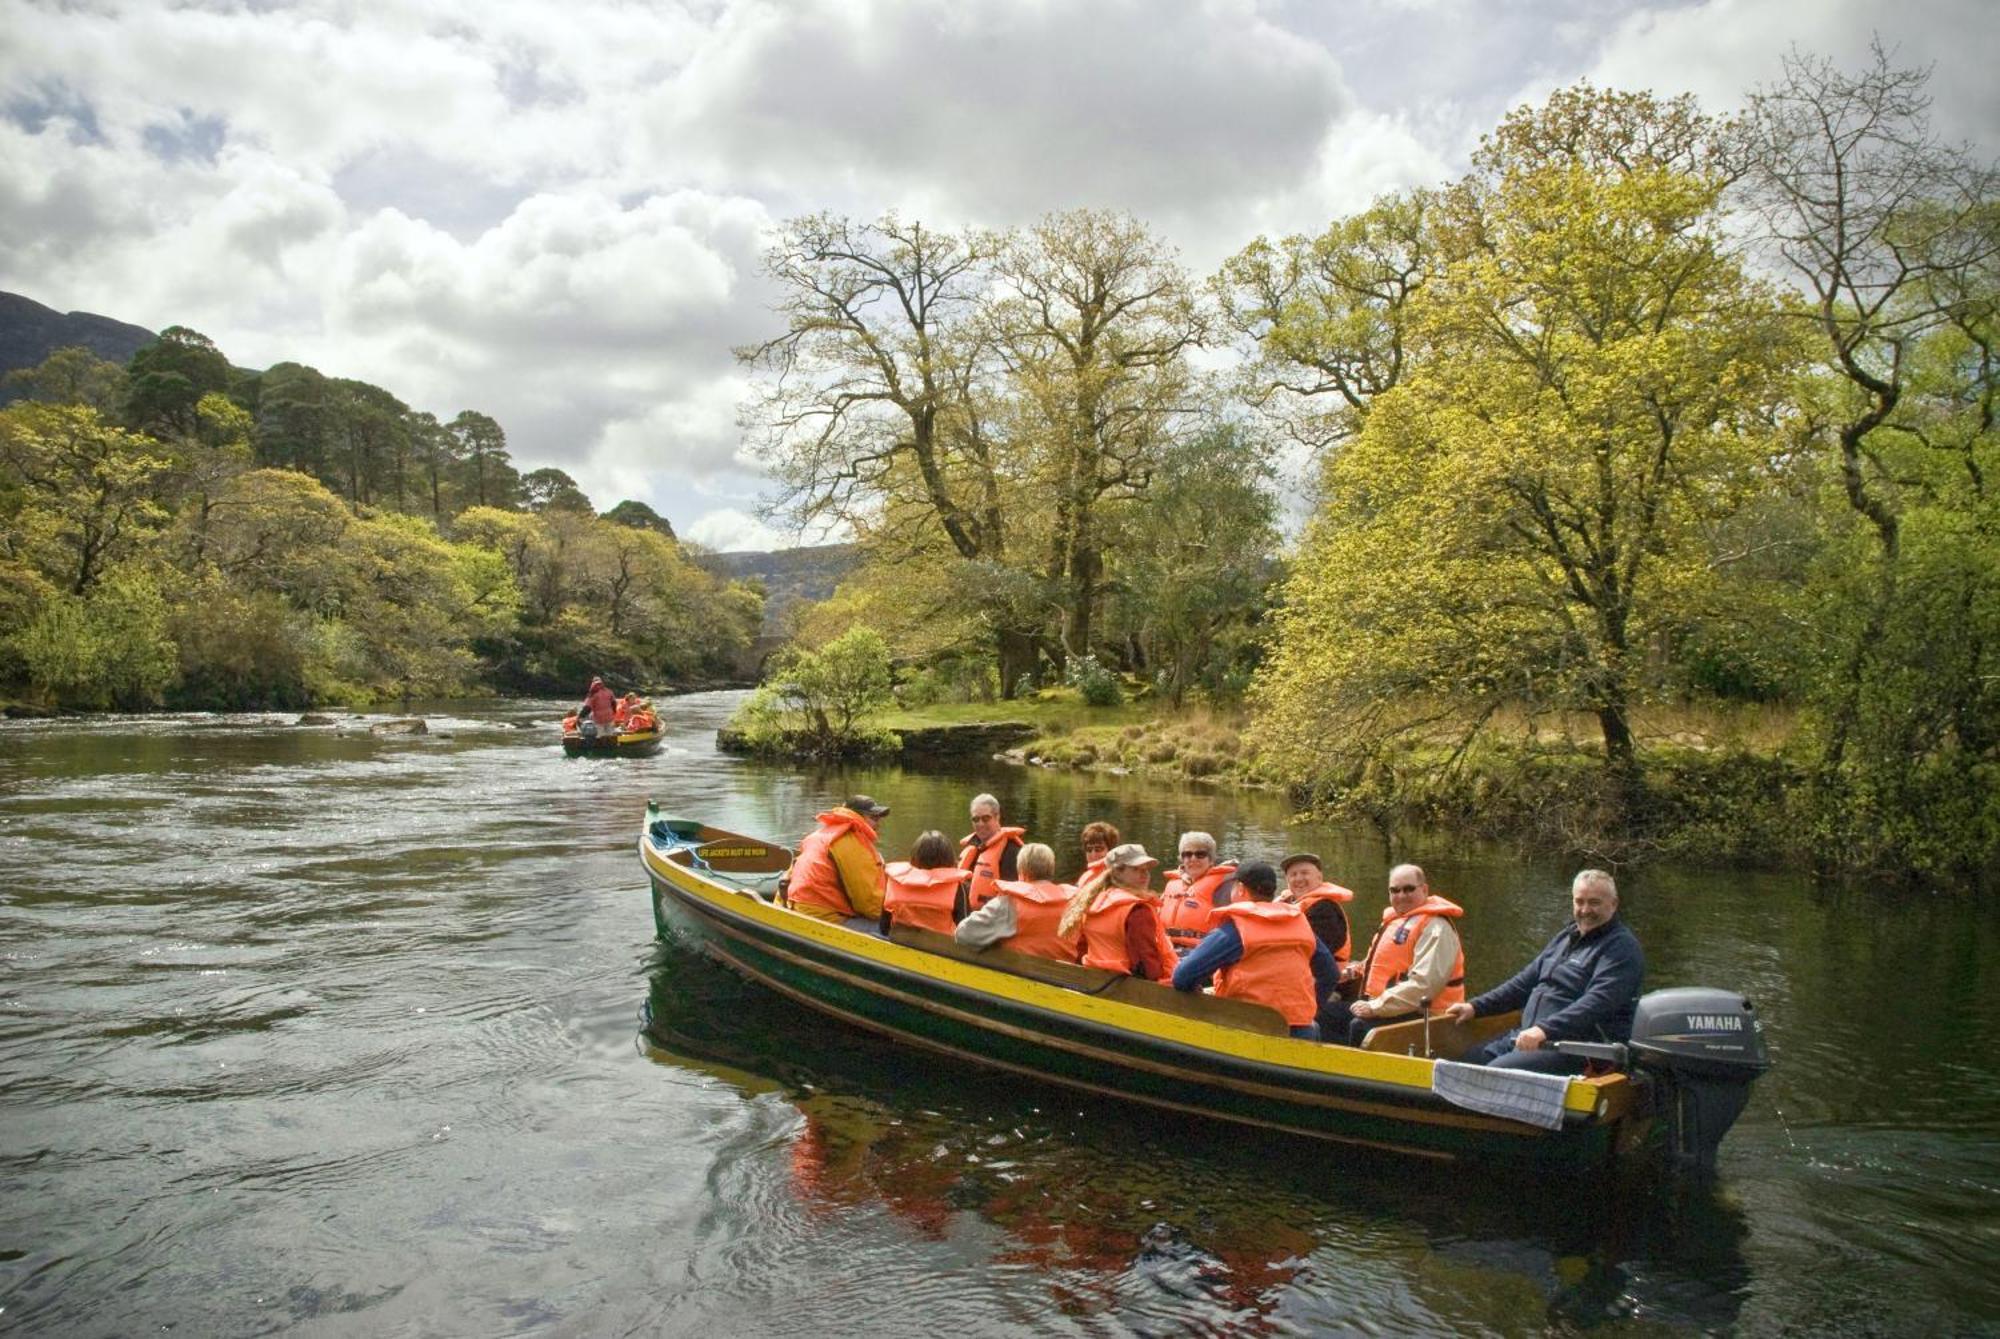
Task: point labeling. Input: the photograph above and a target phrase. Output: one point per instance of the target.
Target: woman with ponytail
(1118, 913)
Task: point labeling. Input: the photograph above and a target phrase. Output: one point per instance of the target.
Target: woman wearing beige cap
(1119, 913)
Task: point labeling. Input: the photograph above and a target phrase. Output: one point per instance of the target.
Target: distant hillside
(790, 575)
(30, 332)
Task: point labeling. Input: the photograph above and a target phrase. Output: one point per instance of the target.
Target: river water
(313, 1029)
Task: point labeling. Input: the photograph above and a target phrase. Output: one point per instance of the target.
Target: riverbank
(1716, 786)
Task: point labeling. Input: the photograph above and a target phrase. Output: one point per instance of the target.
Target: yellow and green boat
(1131, 1039)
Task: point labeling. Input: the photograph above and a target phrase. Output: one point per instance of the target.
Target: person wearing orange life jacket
(923, 890)
(1096, 839)
(1118, 914)
(1192, 896)
(1325, 906)
(838, 870)
(1025, 914)
(1263, 951)
(1416, 958)
(990, 852)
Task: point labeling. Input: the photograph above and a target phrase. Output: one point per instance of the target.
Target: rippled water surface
(319, 1029)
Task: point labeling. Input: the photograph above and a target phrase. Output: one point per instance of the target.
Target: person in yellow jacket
(838, 870)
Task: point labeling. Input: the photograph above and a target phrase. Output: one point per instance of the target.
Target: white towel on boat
(1517, 1094)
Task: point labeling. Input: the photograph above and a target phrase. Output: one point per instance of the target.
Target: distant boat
(620, 743)
(1678, 1090)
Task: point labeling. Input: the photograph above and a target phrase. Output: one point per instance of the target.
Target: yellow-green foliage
(1530, 507)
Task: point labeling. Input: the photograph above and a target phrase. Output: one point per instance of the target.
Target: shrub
(1097, 685)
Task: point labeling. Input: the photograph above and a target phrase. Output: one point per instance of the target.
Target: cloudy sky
(552, 212)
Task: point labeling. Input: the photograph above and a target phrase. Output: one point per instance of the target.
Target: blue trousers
(1500, 1054)
(1309, 1032)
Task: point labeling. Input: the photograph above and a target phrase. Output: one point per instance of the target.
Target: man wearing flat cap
(838, 870)
(1325, 906)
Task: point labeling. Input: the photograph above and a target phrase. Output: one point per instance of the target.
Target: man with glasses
(1192, 896)
(991, 851)
(1415, 962)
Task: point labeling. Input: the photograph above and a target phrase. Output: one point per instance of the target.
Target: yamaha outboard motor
(1703, 1048)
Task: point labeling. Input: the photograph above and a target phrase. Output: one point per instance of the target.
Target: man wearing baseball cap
(838, 870)
(1261, 950)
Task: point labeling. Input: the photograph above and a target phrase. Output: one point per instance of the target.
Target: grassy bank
(1716, 784)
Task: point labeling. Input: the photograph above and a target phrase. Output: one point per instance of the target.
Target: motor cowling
(1702, 1048)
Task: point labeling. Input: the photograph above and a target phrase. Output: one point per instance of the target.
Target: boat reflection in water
(1087, 1207)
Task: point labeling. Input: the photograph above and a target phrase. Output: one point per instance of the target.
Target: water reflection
(1102, 1210)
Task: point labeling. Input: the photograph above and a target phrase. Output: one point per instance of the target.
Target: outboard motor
(1703, 1048)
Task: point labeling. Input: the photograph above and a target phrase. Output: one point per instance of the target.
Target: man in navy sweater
(1582, 987)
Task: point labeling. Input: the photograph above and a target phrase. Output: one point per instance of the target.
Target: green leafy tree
(1329, 316)
(488, 474)
(167, 378)
(1532, 506)
(639, 515)
(109, 648)
(81, 491)
(818, 701)
(550, 487)
(1893, 237)
(72, 375)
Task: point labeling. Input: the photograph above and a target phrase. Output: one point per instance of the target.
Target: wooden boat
(1119, 1036)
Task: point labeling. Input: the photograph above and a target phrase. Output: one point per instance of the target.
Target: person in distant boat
(991, 852)
(1025, 914)
(1325, 906)
(923, 891)
(1263, 951)
(599, 709)
(1097, 840)
(1119, 915)
(1414, 961)
(838, 870)
(1192, 896)
(1583, 986)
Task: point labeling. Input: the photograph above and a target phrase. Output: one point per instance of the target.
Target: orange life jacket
(1395, 948)
(1038, 910)
(1104, 933)
(1276, 967)
(984, 862)
(814, 879)
(1090, 871)
(922, 897)
(1189, 912)
(1331, 892)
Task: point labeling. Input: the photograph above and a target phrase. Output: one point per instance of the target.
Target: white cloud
(727, 529)
(1719, 49)
(556, 218)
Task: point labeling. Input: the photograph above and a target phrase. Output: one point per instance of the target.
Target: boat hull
(1048, 1032)
(633, 744)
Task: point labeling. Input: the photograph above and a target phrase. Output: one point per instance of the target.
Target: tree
(549, 487)
(167, 378)
(871, 401)
(641, 516)
(1329, 315)
(1532, 506)
(1892, 237)
(818, 701)
(1096, 326)
(481, 449)
(72, 375)
(1195, 561)
(84, 488)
